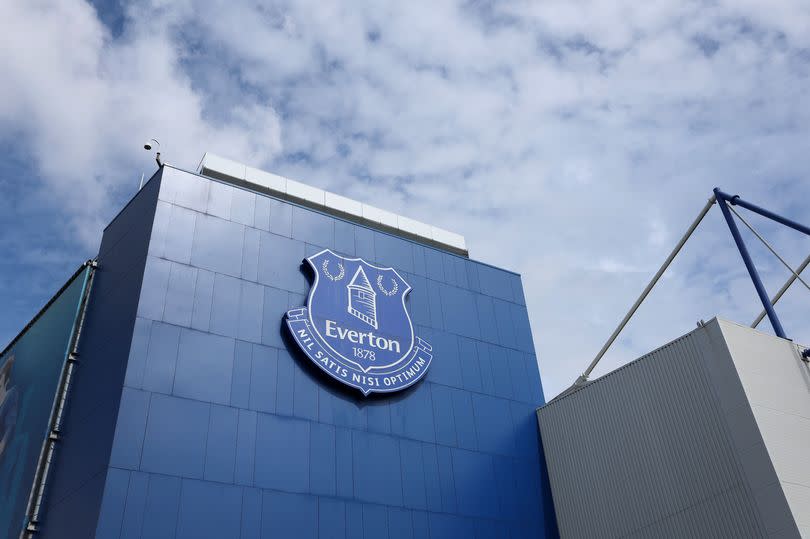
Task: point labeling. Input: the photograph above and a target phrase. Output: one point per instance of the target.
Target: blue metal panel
(285, 385)
(413, 480)
(471, 366)
(251, 303)
(344, 238)
(261, 213)
(204, 367)
(400, 524)
(492, 423)
(250, 255)
(313, 228)
(280, 263)
(354, 521)
(486, 317)
(343, 459)
(175, 437)
(448, 370)
(179, 235)
(220, 453)
(208, 509)
(419, 265)
(162, 506)
(225, 309)
(283, 444)
(389, 252)
(218, 245)
(447, 480)
(375, 479)
(164, 342)
(516, 366)
(132, 524)
(375, 521)
(240, 379)
(185, 190)
(420, 524)
(506, 327)
(180, 295)
(464, 419)
(501, 375)
(364, 243)
(443, 414)
(112, 508)
(378, 417)
(217, 399)
(434, 265)
(305, 394)
(129, 432)
(280, 218)
(443, 526)
(203, 300)
(459, 311)
(263, 379)
(244, 468)
(413, 417)
(251, 513)
(219, 200)
(155, 283)
(243, 205)
(331, 519)
(288, 515)
(275, 305)
(494, 282)
(138, 352)
(322, 459)
(418, 300)
(474, 472)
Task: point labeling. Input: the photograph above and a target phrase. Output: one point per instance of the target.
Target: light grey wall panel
(653, 449)
(777, 385)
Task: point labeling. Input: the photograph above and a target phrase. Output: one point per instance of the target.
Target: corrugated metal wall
(647, 451)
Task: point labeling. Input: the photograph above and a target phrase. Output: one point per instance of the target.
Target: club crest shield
(356, 326)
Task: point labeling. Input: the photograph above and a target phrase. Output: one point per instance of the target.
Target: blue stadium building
(202, 386)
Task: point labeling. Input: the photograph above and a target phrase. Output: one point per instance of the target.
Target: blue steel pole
(722, 199)
(735, 200)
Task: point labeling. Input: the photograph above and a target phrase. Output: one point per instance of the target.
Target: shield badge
(356, 325)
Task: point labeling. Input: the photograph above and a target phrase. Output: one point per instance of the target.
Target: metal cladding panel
(226, 429)
(76, 487)
(777, 386)
(655, 449)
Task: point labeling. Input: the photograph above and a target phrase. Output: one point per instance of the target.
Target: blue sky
(571, 141)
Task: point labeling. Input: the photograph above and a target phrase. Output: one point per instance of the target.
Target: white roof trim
(231, 171)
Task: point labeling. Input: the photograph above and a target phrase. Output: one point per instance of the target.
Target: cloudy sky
(572, 141)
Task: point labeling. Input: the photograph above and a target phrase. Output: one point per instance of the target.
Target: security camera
(153, 143)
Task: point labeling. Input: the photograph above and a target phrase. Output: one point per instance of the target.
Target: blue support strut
(735, 200)
(722, 200)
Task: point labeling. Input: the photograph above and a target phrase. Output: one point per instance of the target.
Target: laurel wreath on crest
(341, 271)
(383, 290)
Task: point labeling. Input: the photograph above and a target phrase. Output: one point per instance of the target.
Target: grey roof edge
(220, 168)
(572, 391)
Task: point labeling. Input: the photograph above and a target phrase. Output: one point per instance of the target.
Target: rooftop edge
(230, 171)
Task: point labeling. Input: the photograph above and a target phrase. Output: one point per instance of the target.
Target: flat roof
(220, 168)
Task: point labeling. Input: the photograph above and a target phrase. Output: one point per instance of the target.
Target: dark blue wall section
(81, 466)
(225, 429)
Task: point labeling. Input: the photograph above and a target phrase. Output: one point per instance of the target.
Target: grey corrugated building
(705, 437)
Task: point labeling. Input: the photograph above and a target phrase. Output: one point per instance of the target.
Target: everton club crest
(356, 326)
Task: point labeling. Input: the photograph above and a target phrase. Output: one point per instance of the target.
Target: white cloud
(570, 141)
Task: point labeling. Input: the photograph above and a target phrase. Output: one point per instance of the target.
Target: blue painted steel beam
(722, 200)
(735, 200)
